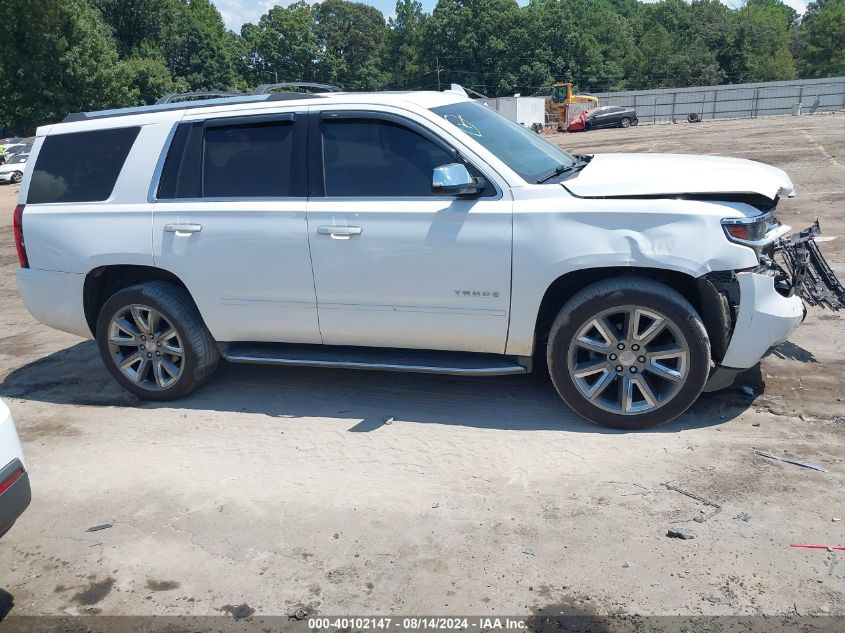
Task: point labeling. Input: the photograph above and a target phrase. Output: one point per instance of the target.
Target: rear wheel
(635, 121)
(153, 341)
(628, 353)
(17, 176)
(625, 122)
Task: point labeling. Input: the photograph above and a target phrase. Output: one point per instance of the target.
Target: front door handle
(339, 232)
(183, 229)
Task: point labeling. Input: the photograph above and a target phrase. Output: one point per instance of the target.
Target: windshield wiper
(580, 162)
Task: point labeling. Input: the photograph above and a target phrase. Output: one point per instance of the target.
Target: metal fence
(666, 105)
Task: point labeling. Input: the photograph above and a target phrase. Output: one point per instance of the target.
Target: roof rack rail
(264, 89)
(213, 94)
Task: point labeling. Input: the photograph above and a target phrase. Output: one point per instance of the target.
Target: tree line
(61, 56)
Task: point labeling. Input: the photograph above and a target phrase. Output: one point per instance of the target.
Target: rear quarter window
(81, 166)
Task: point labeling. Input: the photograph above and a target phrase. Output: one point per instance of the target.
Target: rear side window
(248, 157)
(252, 160)
(80, 167)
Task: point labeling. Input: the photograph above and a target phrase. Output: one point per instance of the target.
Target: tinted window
(370, 157)
(250, 160)
(80, 167)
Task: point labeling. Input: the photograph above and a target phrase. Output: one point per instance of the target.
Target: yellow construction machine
(559, 106)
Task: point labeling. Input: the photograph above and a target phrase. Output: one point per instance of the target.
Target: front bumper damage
(767, 303)
(811, 276)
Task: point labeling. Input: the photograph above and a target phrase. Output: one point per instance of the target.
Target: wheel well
(564, 287)
(101, 283)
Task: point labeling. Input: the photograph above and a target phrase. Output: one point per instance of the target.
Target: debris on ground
(686, 536)
(790, 460)
(748, 391)
(529, 551)
(97, 528)
(836, 519)
(240, 612)
(298, 614)
(701, 518)
(743, 517)
(388, 419)
(829, 548)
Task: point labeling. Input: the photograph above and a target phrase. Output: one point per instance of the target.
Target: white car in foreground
(14, 480)
(416, 231)
(13, 170)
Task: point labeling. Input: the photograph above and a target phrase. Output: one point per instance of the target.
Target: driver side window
(378, 158)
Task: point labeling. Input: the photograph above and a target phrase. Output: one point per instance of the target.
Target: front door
(395, 265)
(230, 223)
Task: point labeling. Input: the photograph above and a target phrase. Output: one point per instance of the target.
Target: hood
(636, 175)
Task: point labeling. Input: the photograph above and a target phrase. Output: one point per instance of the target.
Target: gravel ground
(362, 492)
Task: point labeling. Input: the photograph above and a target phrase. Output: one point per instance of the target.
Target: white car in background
(12, 171)
(15, 493)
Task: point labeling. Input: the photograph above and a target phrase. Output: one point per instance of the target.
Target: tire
(16, 177)
(625, 122)
(635, 121)
(670, 363)
(160, 366)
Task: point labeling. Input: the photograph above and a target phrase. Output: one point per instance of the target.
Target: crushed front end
(805, 271)
(753, 310)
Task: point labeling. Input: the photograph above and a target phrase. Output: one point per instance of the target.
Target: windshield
(525, 152)
(20, 158)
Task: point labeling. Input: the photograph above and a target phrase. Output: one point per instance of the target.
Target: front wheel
(152, 339)
(629, 353)
(17, 177)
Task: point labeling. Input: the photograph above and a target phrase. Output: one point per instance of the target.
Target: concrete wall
(732, 101)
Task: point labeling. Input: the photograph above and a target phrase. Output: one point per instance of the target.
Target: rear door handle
(340, 232)
(183, 229)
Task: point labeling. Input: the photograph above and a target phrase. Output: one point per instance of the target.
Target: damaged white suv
(408, 232)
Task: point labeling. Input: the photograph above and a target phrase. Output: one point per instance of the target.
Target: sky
(236, 12)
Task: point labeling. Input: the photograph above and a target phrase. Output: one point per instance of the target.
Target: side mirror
(455, 180)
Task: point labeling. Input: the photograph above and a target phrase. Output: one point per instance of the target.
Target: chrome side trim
(503, 370)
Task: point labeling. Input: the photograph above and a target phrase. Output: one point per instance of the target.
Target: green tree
(349, 38)
(56, 57)
(283, 44)
(479, 43)
(402, 51)
(147, 78)
(196, 47)
(822, 39)
(760, 43)
(137, 24)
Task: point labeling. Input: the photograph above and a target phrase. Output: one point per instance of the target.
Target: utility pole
(437, 60)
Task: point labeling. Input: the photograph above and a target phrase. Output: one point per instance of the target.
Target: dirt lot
(280, 488)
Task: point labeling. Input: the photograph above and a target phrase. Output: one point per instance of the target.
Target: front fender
(680, 236)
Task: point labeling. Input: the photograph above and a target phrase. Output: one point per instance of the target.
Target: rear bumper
(15, 499)
(55, 299)
(766, 318)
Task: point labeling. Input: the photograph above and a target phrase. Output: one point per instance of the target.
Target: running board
(419, 361)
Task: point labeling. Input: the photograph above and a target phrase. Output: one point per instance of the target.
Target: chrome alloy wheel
(629, 360)
(145, 347)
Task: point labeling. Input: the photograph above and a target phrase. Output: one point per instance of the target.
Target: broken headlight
(754, 232)
(750, 231)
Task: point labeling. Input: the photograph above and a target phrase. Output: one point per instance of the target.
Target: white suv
(412, 231)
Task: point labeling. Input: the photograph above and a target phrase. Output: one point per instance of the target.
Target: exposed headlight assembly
(755, 232)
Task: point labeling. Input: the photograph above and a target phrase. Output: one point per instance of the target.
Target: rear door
(394, 264)
(229, 221)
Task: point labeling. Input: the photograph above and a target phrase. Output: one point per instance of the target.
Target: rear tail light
(17, 224)
(11, 479)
